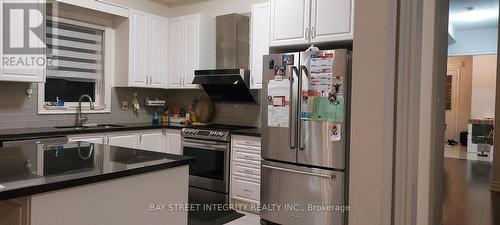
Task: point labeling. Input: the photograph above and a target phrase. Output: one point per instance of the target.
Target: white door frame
(420, 112)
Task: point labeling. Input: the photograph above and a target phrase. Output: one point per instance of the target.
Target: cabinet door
(16, 35)
(158, 52)
(15, 211)
(96, 139)
(176, 52)
(139, 49)
(260, 41)
(126, 140)
(173, 142)
(191, 49)
(151, 140)
(290, 20)
(331, 20)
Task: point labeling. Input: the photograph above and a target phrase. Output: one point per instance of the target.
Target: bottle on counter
(165, 118)
(156, 119)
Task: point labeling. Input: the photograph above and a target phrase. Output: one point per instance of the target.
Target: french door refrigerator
(305, 100)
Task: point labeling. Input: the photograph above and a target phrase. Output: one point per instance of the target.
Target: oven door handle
(205, 146)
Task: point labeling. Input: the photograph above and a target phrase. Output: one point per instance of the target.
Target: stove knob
(212, 133)
(221, 134)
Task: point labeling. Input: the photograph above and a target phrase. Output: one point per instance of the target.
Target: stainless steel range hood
(230, 81)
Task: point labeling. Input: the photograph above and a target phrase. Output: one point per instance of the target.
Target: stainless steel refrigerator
(305, 101)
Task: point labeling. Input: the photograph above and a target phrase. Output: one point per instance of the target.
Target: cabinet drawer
(246, 142)
(247, 158)
(245, 190)
(243, 170)
(247, 150)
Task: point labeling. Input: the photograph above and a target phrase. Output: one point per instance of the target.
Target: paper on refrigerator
(278, 116)
(279, 88)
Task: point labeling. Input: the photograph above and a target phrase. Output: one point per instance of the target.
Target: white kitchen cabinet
(296, 22)
(245, 169)
(16, 34)
(331, 20)
(159, 52)
(126, 140)
(151, 140)
(260, 19)
(173, 142)
(95, 138)
(147, 64)
(290, 20)
(191, 47)
(139, 50)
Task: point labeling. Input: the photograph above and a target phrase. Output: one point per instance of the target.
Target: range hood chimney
(230, 81)
(232, 41)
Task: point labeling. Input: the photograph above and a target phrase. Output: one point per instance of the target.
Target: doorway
(469, 102)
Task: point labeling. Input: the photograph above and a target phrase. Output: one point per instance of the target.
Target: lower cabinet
(245, 170)
(158, 140)
(173, 141)
(151, 140)
(126, 140)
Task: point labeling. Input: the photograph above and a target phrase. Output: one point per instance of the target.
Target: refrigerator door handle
(329, 176)
(293, 110)
(301, 133)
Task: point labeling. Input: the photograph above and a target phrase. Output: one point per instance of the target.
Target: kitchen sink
(101, 126)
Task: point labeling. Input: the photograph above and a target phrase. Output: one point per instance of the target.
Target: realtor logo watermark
(24, 35)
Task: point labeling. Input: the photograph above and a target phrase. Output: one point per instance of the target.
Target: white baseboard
(495, 186)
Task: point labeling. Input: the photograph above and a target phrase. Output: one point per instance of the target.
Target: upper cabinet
(290, 20)
(192, 47)
(295, 22)
(147, 47)
(259, 41)
(331, 20)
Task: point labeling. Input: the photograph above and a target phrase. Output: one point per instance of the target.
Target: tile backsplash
(17, 111)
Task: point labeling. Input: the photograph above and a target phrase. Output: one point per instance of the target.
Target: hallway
(467, 197)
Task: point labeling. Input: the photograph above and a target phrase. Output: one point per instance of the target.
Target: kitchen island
(82, 183)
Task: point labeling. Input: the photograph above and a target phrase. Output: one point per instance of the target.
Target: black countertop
(35, 169)
(49, 132)
(255, 132)
(44, 132)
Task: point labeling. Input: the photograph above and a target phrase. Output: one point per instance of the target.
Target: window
(77, 68)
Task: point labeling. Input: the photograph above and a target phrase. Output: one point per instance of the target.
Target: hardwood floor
(467, 198)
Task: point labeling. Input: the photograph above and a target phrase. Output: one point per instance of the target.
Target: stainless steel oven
(209, 174)
(211, 169)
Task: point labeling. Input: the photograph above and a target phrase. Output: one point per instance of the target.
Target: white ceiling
(173, 3)
(483, 16)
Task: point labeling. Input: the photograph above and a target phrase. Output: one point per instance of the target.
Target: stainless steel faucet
(81, 119)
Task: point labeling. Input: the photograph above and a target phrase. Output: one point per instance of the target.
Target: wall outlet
(124, 105)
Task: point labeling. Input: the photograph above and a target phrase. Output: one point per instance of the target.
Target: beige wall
(215, 7)
(483, 86)
(372, 112)
(464, 63)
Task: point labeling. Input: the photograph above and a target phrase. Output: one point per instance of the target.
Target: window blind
(76, 51)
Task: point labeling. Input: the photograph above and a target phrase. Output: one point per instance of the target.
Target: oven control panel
(206, 134)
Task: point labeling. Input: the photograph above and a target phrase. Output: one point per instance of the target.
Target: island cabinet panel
(15, 211)
(127, 201)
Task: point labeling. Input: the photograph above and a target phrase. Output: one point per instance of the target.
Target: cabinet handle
(140, 138)
(306, 34)
(313, 32)
(248, 171)
(246, 190)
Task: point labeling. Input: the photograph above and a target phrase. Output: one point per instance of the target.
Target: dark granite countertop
(35, 169)
(46, 132)
(50, 132)
(255, 132)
